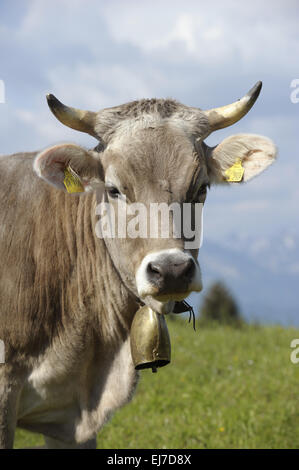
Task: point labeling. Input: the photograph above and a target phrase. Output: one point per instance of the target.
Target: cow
(68, 296)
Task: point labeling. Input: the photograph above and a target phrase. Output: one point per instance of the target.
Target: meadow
(225, 388)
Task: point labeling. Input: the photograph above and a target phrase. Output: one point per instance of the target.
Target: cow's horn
(231, 113)
(77, 119)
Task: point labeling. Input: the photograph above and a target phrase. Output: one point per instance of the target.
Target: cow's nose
(170, 273)
(170, 276)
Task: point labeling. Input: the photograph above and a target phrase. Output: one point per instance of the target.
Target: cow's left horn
(227, 115)
(77, 119)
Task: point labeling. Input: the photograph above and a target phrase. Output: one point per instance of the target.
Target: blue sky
(95, 54)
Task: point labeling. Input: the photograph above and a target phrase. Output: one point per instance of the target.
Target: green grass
(225, 388)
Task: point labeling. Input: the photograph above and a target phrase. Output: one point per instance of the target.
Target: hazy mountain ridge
(280, 253)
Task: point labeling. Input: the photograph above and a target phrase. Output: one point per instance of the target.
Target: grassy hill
(225, 388)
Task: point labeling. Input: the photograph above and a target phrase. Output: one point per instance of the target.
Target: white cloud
(212, 32)
(233, 34)
(97, 86)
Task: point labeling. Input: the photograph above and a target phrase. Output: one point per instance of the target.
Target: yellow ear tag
(235, 172)
(72, 181)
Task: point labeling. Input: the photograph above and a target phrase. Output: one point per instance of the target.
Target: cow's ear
(70, 167)
(239, 158)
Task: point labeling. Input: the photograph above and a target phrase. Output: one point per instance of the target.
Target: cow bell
(150, 342)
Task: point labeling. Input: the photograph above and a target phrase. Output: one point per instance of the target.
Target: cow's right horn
(227, 115)
(77, 119)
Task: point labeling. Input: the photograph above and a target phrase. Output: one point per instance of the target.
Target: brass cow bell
(150, 342)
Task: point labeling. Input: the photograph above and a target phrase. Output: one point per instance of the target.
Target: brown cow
(67, 296)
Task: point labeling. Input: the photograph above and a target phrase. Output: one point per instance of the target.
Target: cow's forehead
(135, 128)
(152, 134)
(157, 153)
(113, 123)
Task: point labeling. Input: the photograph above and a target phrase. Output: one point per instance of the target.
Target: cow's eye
(203, 189)
(201, 193)
(113, 192)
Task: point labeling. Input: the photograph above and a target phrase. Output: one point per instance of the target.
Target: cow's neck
(99, 288)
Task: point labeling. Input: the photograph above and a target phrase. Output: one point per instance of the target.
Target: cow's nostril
(154, 269)
(183, 270)
(170, 273)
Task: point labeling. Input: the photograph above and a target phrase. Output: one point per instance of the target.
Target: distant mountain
(262, 273)
(279, 254)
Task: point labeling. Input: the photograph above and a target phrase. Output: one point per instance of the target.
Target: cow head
(153, 151)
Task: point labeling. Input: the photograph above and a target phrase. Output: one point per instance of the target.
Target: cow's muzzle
(168, 275)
